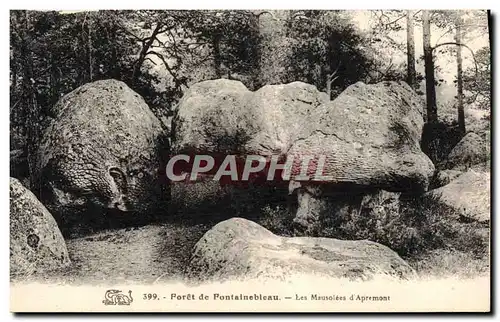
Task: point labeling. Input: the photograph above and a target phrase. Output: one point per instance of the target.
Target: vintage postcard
(250, 161)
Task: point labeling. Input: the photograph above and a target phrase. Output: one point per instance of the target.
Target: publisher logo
(117, 297)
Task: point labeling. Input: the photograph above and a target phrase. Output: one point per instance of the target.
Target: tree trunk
(329, 88)
(317, 75)
(217, 55)
(257, 75)
(146, 44)
(460, 91)
(410, 46)
(32, 111)
(89, 43)
(272, 30)
(430, 88)
(115, 71)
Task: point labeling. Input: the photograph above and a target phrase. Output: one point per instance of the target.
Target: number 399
(150, 296)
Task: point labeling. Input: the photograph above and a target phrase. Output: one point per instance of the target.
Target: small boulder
(468, 196)
(443, 177)
(241, 249)
(36, 244)
(470, 151)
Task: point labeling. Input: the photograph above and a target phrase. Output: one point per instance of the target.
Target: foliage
(160, 54)
(411, 227)
(325, 41)
(277, 219)
(233, 38)
(52, 54)
(387, 27)
(476, 77)
(62, 54)
(479, 87)
(443, 263)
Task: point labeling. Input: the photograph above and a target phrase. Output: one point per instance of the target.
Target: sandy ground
(144, 254)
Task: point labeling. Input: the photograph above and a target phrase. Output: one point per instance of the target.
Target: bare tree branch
(457, 44)
(472, 53)
(143, 53)
(149, 59)
(167, 66)
(394, 21)
(445, 33)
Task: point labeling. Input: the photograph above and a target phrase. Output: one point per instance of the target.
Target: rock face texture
(370, 136)
(322, 207)
(101, 151)
(223, 116)
(468, 195)
(443, 177)
(471, 150)
(241, 249)
(370, 139)
(36, 244)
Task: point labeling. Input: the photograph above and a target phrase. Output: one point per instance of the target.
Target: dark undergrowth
(424, 232)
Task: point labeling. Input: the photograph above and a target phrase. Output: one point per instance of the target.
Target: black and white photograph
(250, 160)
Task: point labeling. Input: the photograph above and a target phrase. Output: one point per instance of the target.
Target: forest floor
(133, 255)
(148, 254)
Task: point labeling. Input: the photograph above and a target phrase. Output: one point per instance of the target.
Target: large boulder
(470, 151)
(102, 151)
(369, 137)
(241, 249)
(223, 116)
(36, 244)
(468, 196)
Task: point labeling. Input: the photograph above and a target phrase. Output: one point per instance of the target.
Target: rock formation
(241, 249)
(468, 195)
(470, 151)
(101, 152)
(369, 137)
(36, 244)
(223, 116)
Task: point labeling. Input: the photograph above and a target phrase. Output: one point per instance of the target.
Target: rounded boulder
(36, 243)
(102, 152)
